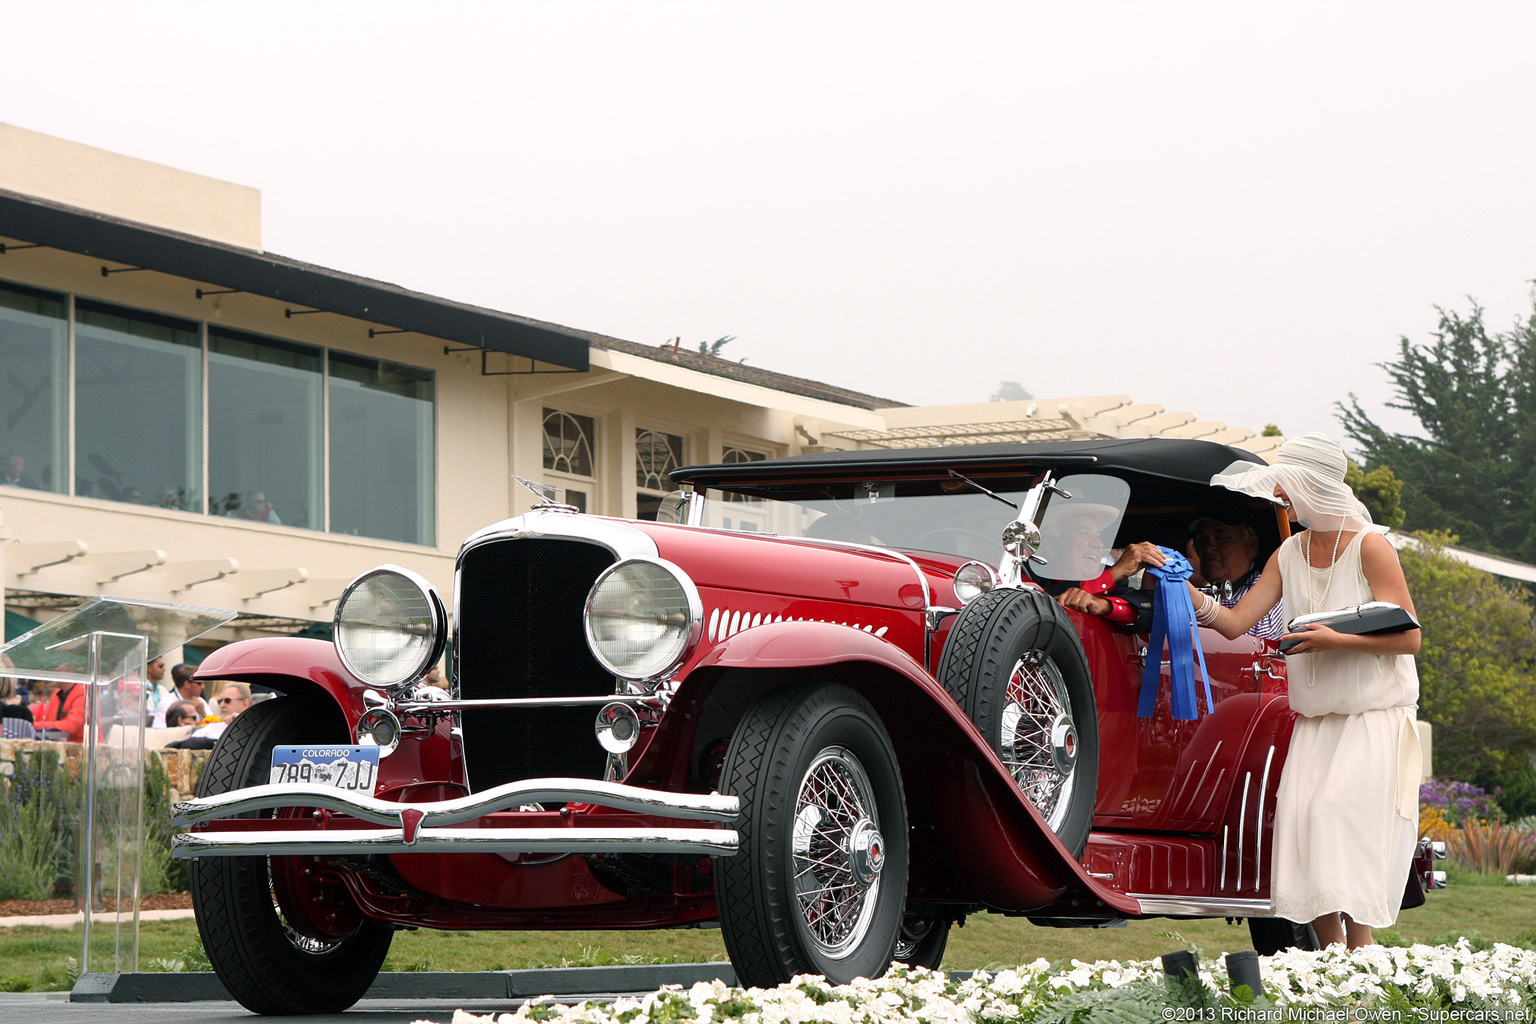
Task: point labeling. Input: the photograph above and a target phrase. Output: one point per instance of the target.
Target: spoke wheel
(819, 882)
(1015, 665)
(838, 851)
(279, 945)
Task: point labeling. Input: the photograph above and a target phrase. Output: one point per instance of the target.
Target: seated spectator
(234, 700)
(181, 713)
(15, 718)
(183, 688)
(13, 472)
(1226, 557)
(62, 715)
(1072, 544)
(257, 509)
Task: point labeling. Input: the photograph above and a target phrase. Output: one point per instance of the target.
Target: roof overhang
(275, 277)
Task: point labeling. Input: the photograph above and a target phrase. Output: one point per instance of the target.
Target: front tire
(819, 883)
(1015, 665)
(270, 963)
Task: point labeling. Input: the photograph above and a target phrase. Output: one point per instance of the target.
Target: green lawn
(1483, 909)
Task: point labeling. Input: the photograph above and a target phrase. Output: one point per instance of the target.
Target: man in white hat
(1072, 544)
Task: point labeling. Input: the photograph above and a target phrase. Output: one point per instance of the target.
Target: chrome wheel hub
(837, 852)
(867, 853)
(1063, 744)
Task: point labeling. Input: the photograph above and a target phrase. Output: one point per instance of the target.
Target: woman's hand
(1316, 637)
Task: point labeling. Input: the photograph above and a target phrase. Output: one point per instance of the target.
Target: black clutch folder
(1361, 619)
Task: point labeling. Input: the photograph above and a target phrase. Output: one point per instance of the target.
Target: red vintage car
(831, 707)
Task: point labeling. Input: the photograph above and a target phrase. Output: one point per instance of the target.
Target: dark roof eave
(275, 277)
(1187, 459)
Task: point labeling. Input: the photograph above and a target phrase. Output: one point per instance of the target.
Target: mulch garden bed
(30, 908)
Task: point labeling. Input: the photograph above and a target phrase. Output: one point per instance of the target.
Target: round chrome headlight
(643, 617)
(390, 626)
(972, 580)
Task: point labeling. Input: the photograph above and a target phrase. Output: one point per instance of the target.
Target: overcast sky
(1229, 208)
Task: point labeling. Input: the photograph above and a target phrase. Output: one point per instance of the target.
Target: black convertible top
(1192, 461)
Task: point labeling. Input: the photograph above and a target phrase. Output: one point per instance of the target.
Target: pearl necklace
(1312, 600)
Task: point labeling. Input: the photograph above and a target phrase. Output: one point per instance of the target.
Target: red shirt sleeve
(1121, 611)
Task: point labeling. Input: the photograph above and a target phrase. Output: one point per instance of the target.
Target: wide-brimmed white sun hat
(1310, 471)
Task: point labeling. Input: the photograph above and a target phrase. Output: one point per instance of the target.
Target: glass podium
(104, 645)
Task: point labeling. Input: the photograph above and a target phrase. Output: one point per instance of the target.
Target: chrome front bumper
(423, 827)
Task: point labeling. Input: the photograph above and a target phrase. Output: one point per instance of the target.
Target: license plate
(350, 768)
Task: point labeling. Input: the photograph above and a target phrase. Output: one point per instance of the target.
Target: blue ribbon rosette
(1173, 622)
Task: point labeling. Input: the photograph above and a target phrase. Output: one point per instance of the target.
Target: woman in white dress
(1347, 809)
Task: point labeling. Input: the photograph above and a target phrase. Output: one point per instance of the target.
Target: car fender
(311, 670)
(963, 803)
(294, 666)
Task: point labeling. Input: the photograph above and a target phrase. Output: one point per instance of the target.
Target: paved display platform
(204, 986)
(396, 997)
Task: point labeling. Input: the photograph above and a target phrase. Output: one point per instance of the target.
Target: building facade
(187, 418)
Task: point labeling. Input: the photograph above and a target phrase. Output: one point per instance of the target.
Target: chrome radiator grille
(519, 618)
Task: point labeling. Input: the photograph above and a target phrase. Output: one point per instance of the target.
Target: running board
(1194, 906)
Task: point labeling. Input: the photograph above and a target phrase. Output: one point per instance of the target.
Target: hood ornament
(548, 496)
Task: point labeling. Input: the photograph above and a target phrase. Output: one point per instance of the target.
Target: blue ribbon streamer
(1173, 621)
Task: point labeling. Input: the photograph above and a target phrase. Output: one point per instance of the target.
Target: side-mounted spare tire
(1015, 664)
(272, 960)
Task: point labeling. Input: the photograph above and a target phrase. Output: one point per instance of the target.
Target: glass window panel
(568, 443)
(733, 455)
(383, 466)
(138, 407)
(656, 455)
(34, 364)
(264, 430)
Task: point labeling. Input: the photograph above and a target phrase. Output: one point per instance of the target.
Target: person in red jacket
(62, 715)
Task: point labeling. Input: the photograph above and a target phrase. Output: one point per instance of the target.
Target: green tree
(1477, 664)
(1380, 491)
(1011, 391)
(712, 348)
(1473, 470)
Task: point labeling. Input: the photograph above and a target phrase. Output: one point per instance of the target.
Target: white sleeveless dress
(1348, 804)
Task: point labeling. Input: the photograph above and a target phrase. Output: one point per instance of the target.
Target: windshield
(1077, 532)
(948, 516)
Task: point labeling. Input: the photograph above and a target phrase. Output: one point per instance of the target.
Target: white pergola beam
(186, 575)
(114, 565)
(255, 582)
(327, 591)
(43, 553)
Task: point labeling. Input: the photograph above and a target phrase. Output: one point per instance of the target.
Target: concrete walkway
(70, 920)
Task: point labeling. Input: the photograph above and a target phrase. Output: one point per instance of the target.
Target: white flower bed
(1409, 982)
